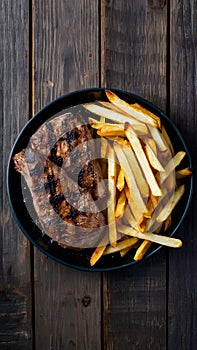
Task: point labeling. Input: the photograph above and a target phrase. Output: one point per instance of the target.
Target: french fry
(142, 225)
(157, 136)
(103, 156)
(183, 172)
(124, 251)
(129, 216)
(141, 173)
(98, 252)
(170, 182)
(135, 105)
(134, 165)
(142, 250)
(151, 144)
(159, 239)
(105, 131)
(111, 201)
(139, 152)
(148, 113)
(135, 199)
(114, 108)
(94, 121)
(102, 119)
(117, 117)
(150, 208)
(158, 229)
(170, 167)
(120, 207)
(129, 242)
(134, 110)
(119, 139)
(120, 180)
(167, 139)
(167, 223)
(172, 202)
(154, 200)
(153, 160)
(106, 127)
(104, 148)
(152, 224)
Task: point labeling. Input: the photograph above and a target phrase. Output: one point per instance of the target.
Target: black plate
(68, 257)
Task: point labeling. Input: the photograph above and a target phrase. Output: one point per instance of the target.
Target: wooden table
(51, 47)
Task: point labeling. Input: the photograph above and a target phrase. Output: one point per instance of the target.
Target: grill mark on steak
(67, 212)
(64, 140)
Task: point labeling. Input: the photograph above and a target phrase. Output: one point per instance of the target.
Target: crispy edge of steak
(63, 223)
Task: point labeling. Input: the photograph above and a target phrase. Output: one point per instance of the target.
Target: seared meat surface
(64, 179)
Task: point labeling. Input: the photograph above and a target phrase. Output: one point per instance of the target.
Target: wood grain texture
(15, 283)
(135, 47)
(182, 274)
(67, 305)
(66, 51)
(67, 302)
(135, 60)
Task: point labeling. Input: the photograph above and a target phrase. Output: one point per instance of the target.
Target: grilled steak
(64, 179)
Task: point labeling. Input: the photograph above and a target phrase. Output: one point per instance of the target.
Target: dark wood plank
(65, 48)
(15, 283)
(183, 97)
(135, 47)
(135, 60)
(67, 302)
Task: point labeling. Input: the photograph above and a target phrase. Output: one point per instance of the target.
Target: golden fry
(154, 201)
(120, 207)
(170, 167)
(137, 172)
(139, 152)
(124, 251)
(167, 223)
(151, 144)
(158, 138)
(153, 160)
(141, 251)
(172, 202)
(141, 174)
(111, 201)
(129, 242)
(183, 172)
(117, 117)
(129, 216)
(163, 240)
(147, 112)
(135, 199)
(112, 132)
(114, 108)
(134, 110)
(120, 180)
(105, 127)
(104, 148)
(98, 252)
(167, 139)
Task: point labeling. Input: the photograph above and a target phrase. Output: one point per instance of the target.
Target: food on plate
(183, 172)
(111, 200)
(137, 112)
(109, 184)
(65, 191)
(142, 249)
(147, 188)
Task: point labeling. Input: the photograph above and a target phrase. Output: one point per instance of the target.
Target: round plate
(69, 257)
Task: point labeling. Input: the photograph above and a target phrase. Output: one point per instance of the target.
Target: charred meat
(65, 181)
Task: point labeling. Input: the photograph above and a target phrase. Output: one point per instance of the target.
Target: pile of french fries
(143, 183)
